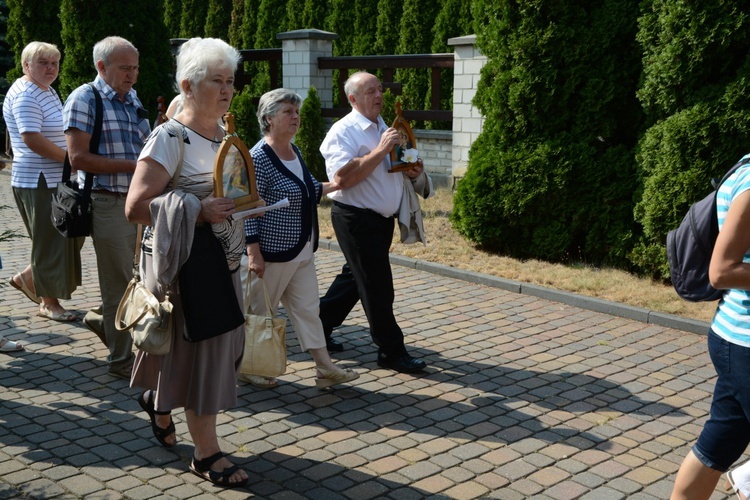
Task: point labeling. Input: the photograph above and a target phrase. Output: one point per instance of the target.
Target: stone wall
(436, 150)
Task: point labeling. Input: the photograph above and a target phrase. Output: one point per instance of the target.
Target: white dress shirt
(355, 136)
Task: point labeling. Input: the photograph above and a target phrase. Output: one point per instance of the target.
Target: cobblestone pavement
(523, 398)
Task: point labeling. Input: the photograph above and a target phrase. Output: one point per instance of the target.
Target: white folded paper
(259, 210)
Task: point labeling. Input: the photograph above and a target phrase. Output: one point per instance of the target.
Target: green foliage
(690, 48)
(340, 20)
(552, 174)
(415, 38)
(6, 56)
(6, 59)
(218, 17)
(249, 24)
(315, 14)
(696, 90)
(172, 17)
(311, 133)
(245, 118)
(29, 21)
(193, 18)
(235, 24)
(387, 26)
(305, 14)
(454, 19)
(295, 10)
(271, 21)
(85, 22)
(365, 27)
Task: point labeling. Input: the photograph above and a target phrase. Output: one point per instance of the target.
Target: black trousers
(365, 238)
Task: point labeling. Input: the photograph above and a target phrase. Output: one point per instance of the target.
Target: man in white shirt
(357, 154)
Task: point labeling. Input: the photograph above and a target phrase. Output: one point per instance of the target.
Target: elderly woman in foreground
(199, 376)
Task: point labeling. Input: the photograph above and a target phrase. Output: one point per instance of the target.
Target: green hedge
(552, 174)
(696, 89)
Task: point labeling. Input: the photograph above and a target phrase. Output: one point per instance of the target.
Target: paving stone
(524, 398)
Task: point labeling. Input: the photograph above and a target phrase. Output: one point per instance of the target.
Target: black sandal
(202, 468)
(159, 433)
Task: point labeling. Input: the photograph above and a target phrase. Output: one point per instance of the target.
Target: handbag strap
(96, 136)
(269, 312)
(139, 233)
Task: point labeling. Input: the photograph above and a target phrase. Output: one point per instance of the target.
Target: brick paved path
(523, 398)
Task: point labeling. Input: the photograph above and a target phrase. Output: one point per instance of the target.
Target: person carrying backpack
(726, 434)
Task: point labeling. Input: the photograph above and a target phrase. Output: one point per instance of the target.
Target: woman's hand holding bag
(265, 340)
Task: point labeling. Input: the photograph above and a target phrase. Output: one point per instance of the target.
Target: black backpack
(689, 247)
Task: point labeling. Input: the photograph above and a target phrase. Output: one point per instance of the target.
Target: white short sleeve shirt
(355, 136)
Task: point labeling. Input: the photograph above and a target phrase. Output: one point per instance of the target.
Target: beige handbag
(265, 340)
(149, 321)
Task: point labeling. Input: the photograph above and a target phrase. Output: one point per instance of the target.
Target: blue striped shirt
(27, 108)
(732, 319)
(124, 132)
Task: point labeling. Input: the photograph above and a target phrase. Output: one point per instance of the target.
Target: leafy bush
(552, 174)
(696, 90)
(310, 136)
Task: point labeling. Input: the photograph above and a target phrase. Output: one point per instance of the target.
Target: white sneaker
(739, 480)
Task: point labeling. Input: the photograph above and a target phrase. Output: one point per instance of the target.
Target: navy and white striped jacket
(283, 233)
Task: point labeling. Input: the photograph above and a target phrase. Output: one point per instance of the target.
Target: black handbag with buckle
(71, 204)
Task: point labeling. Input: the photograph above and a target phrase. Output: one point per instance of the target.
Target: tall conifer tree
(85, 22)
(415, 37)
(193, 18)
(218, 17)
(388, 26)
(235, 25)
(365, 27)
(172, 17)
(28, 21)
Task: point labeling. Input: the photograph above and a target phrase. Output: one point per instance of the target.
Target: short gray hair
(38, 50)
(270, 104)
(198, 55)
(104, 48)
(352, 84)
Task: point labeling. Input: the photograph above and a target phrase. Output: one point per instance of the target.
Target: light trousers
(114, 244)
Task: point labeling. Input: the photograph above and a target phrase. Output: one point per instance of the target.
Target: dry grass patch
(445, 246)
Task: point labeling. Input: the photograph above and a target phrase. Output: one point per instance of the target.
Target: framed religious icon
(404, 154)
(234, 172)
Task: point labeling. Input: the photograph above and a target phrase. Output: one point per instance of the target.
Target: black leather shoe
(403, 363)
(334, 345)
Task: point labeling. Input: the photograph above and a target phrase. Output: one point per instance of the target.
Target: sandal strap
(223, 476)
(163, 433)
(204, 465)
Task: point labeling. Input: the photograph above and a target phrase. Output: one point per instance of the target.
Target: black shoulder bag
(71, 206)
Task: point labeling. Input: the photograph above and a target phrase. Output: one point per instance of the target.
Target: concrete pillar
(467, 121)
(301, 49)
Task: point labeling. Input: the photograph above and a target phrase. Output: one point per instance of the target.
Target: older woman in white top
(33, 114)
(197, 376)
